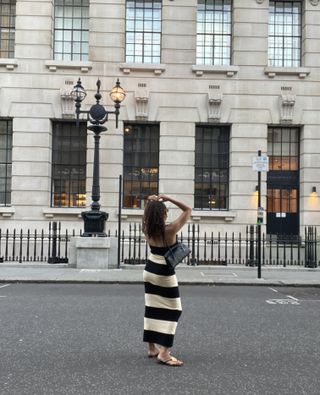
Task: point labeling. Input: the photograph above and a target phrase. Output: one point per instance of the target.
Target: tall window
(283, 148)
(283, 175)
(214, 32)
(143, 31)
(7, 28)
(5, 161)
(285, 33)
(71, 29)
(69, 148)
(212, 168)
(141, 163)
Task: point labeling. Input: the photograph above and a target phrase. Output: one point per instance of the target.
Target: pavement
(188, 275)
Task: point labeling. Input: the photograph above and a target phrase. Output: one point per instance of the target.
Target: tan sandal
(169, 361)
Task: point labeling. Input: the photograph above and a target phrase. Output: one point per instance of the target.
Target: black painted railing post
(56, 241)
(193, 249)
(251, 246)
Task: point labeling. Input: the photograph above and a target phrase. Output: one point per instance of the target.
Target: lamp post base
(94, 223)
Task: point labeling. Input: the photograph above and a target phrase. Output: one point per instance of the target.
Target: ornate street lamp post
(94, 219)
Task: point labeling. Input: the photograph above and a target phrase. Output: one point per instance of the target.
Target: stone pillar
(93, 252)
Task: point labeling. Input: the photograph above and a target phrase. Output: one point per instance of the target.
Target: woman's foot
(170, 361)
(153, 351)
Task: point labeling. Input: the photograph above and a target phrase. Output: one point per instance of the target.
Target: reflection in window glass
(211, 168)
(71, 29)
(214, 32)
(284, 34)
(140, 163)
(143, 31)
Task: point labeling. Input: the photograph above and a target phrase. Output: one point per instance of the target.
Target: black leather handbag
(176, 254)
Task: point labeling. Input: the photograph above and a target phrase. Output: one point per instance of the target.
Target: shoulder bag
(176, 254)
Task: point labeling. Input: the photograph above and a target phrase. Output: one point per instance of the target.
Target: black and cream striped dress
(162, 299)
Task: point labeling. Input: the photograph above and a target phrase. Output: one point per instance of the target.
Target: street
(87, 339)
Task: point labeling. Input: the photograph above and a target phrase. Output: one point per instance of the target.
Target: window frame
(290, 143)
(9, 29)
(213, 36)
(223, 165)
(137, 200)
(7, 163)
(281, 60)
(81, 165)
(135, 31)
(71, 55)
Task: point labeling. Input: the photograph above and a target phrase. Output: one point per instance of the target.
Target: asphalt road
(86, 339)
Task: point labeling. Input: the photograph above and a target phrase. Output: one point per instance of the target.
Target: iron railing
(223, 248)
(207, 248)
(35, 246)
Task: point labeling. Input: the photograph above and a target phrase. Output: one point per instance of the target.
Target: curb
(183, 283)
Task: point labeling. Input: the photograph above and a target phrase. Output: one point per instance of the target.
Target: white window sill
(301, 72)
(131, 212)
(54, 65)
(51, 212)
(229, 71)
(6, 211)
(8, 63)
(156, 68)
(196, 215)
(228, 216)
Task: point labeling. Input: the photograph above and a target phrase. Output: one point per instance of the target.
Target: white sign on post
(260, 163)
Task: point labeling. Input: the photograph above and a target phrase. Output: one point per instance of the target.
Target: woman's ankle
(164, 353)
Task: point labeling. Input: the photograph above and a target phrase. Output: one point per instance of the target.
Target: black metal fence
(207, 248)
(217, 248)
(35, 246)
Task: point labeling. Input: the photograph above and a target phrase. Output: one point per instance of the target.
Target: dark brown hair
(153, 224)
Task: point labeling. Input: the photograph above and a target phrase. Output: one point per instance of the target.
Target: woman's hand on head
(153, 197)
(164, 198)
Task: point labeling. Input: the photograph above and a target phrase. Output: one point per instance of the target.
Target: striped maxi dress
(162, 299)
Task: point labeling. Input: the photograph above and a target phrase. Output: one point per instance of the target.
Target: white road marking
(6, 285)
(274, 290)
(2, 296)
(291, 297)
(282, 301)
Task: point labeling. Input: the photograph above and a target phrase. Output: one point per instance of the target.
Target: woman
(162, 300)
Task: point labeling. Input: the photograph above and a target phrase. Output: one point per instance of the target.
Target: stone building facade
(208, 85)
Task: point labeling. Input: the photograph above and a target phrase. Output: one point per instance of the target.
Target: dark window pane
(283, 148)
(211, 167)
(141, 163)
(69, 148)
(5, 161)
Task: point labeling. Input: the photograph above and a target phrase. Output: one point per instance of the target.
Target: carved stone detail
(67, 104)
(287, 103)
(142, 100)
(214, 106)
(259, 1)
(314, 2)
